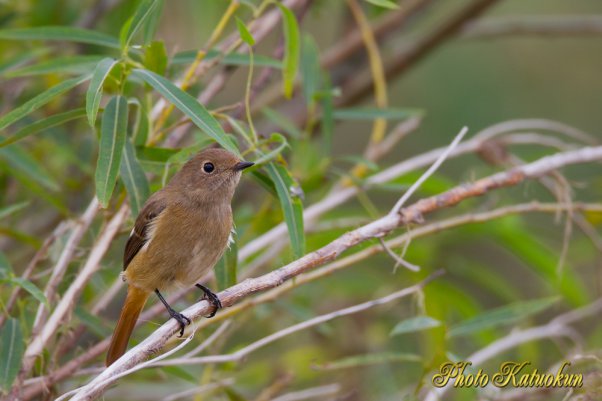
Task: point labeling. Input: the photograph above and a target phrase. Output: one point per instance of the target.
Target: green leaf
(291, 49)
(11, 353)
(189, 106)
(245, 35)
(283, 122)
(370, 113)
(504, 315)
(225, 269)
(155, 154)
(310, 69)
(94, 93)
(292, 207)
(134, 179)
(414, 324)
(143, 12)
(113, 129)
(40, 100)
(155, 57)
(384, 3)
(369, 360)
(5, 267)
(62, 65)
(274, 138)
(240, 59)
(21, 160)
(66, 33)
(8, 210)
(31, 288)
(43, 124)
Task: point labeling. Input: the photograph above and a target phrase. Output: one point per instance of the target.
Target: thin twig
(429, 172)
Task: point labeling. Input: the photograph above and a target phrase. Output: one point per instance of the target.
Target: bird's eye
(208, 167)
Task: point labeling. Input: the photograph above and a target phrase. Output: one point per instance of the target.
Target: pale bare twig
(431, 170)
(399, 261)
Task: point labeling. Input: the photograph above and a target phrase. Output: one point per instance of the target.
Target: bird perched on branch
(179, 235)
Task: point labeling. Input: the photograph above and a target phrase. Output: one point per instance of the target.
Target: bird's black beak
(242, 165)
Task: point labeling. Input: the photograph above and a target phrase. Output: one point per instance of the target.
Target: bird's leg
(181, 319)
(211, 298)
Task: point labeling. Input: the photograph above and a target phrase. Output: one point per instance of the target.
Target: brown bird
(180, 234)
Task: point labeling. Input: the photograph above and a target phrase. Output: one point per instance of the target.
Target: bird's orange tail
(134, 302)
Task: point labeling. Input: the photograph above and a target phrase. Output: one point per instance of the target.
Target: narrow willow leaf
(504, 315)
(225, 269)
(44, 124)
(134, 179)
(94, 93)
(413, 324)
(40, 100)
(368, 113)
(11, 352)
(150, 27)
(113, 129)
(241, 59)
(291, 49)
(62, 65)
(66, 33)
(143, 12)
(368, 360)
(274, 138)
(310, 69)
(31, 288)
(292, 207)
(189, 106)
(22, 161)
(384, 4)
(8, 210)
(245, 35)
(155, 57)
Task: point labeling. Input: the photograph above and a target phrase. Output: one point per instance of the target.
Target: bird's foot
(211, 298)
(181, 319)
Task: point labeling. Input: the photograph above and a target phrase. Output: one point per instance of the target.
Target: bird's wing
(139, 235)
